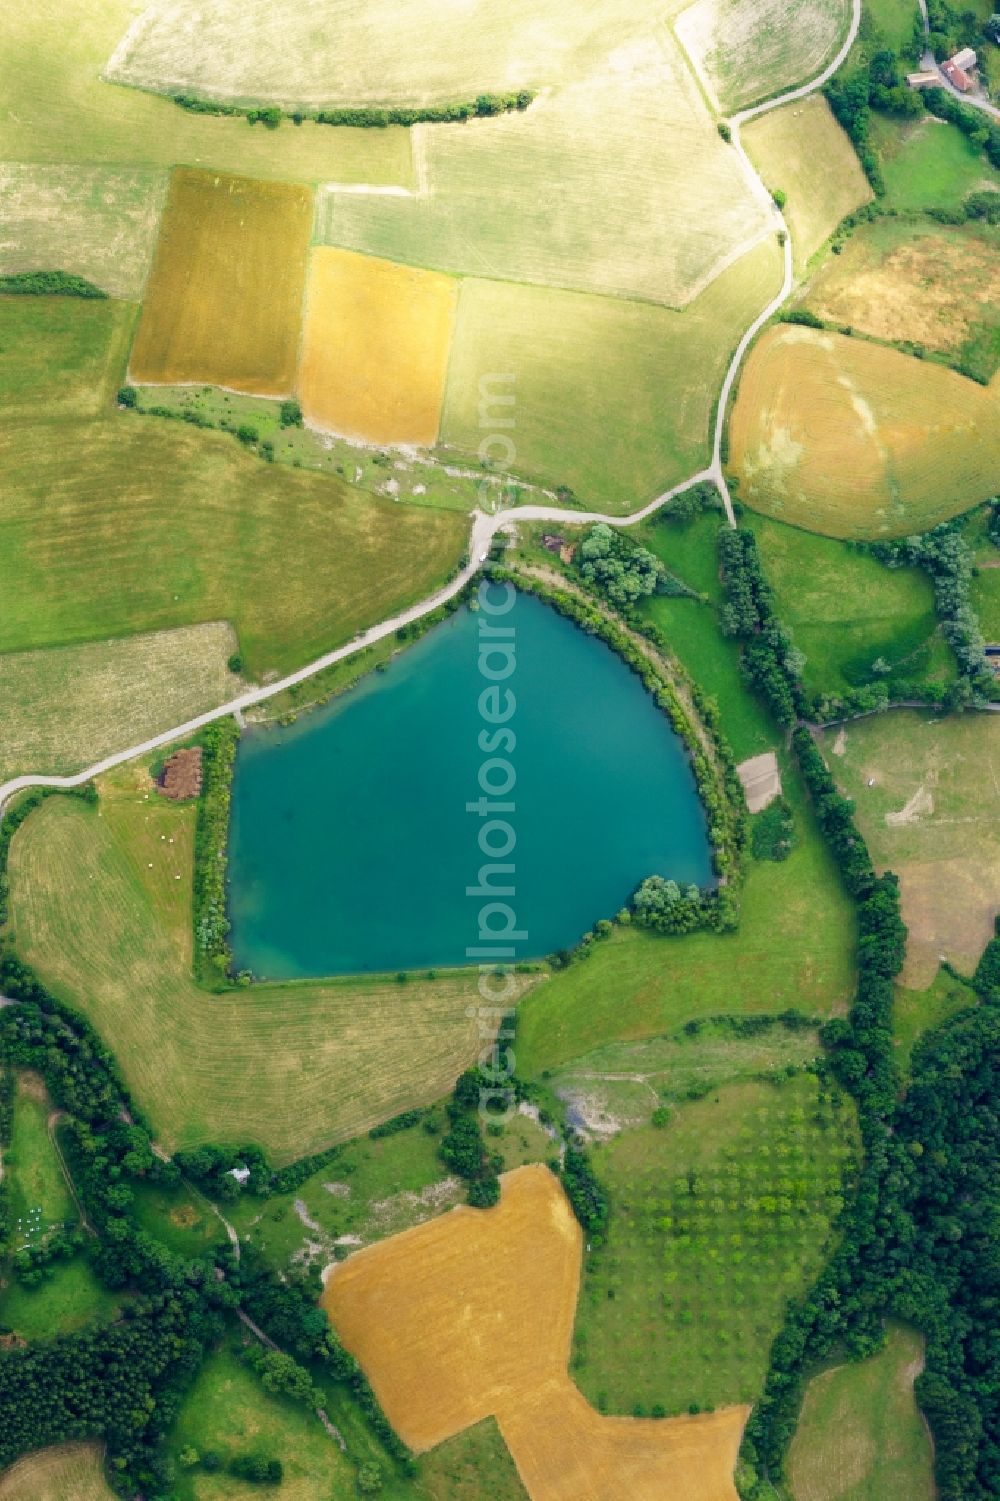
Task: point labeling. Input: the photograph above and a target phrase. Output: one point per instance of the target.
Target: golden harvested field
(471, 1315)
(365, 51)
(617, 183)
(57, 108)
(71, 1472)
(932, 816)
(785, 146)
(101, 908)
(375, 348)
(852, 439)
(97, 222)
(63, 708)
(751, 49)
(224, 302)
(930, 284)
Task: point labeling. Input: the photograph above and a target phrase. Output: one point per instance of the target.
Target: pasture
(851, 439)
(224, 301)
(847, 612)
(490, 1334)
(915, 1012)
(639, 984)
(297, 561)
(59, 110)
(40, 1200)
(66, 1301)
(923, 283)
(99, 222)
(101, 907)
(71, 1472)
(931, 815)
(366, 53)
(861, 1436)
(717, 1219)
(650, 209)
(928, 164)
(785, 145)
(614, 398)
(751, 51)
(65, 707)
(375, 348)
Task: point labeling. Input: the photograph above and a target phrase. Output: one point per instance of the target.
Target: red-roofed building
(957, 77)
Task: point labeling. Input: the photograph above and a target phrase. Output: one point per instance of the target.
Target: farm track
(485, 527)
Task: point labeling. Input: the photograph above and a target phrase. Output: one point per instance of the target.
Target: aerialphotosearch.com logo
(498, 934)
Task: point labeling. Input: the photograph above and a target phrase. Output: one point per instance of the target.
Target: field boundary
(486, 526)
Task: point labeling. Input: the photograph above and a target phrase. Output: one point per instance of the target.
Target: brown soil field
(931, 284)
(852, 439)
(375, 348)
(224, 298)
(471, 1316)
(932, 814)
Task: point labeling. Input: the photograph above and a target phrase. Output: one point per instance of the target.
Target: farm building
(927, 79)
(181, 774)
(956, 76)
(964, 58)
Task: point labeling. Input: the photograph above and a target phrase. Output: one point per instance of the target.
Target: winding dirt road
(486, 526)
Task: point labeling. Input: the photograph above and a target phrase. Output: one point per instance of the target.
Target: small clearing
(761, 779)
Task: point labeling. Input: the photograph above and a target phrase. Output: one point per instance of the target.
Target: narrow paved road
(485, 527)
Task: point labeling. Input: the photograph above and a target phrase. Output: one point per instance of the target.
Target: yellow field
(224, 301)
(852, 439)
(785, 146)
(753, 49)
(375, 348)
(71, 1472)
(471, 1316)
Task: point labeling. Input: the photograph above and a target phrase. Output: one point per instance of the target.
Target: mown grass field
(929, 284)
(224, 301)
(750, 51)
(847, 612)
(861, 1436)
(367, 53)
(99, 222)
(931, 815)
(928, 164)
(785, 145)
(297, 561)
(58, 110)
(638, 984)
(717, 1220)
(614, 398)
(375, 345)
(71, 1472)
(39, 1197)
(647, 209)
(101, 907)
(851, 439)
(64, 708)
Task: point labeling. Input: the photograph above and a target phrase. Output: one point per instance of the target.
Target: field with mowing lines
(224, 301)
(375, 348)
(96, 222)
(926, 283)
(847, 612)
(615, 399)
(785, 145)
(639, 984)
(61, 356)
(752, 49)
(852, 439)
(72, 1472)
(717, 1219)
(861, 1436)
(932, 817)
(58, 109)
(617, 183)
(367, 51)
(97, 910)
(505, 1281)
(63, 708)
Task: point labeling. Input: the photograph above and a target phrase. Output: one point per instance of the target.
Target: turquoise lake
(351, 846)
